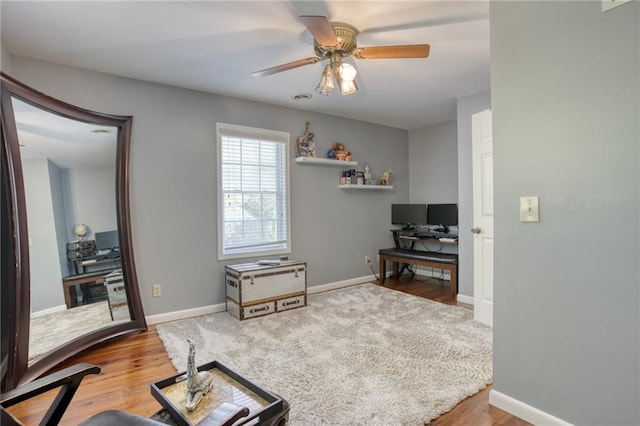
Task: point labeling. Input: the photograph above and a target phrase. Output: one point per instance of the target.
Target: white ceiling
(68, 143)
(214, 46)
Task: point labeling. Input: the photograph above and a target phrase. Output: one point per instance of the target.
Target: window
(253, 192)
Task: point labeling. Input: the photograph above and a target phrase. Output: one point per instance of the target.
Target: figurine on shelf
(331, 154)
(305, 146)
(385, 178)
(199, 383)
(367, 175)
(339, 152)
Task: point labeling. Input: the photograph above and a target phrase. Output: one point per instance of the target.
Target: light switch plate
(530, 209)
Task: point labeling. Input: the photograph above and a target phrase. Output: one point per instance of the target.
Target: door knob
(476, 230)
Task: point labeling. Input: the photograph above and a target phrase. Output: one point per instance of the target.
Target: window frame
(225, 129)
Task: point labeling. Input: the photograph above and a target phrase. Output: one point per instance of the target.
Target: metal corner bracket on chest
(254, 290)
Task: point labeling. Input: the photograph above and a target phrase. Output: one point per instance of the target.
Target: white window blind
(253, 192)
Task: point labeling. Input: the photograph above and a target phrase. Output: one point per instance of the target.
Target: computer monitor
(443, 215)
(107, 240)
(408, 215)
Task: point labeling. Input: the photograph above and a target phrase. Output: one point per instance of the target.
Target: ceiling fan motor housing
(346, 35)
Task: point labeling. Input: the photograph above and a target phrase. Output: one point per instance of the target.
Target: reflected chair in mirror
(69, 379)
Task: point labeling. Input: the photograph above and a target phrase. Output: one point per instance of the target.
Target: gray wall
(467, 106)
(173, 181)
(441, 172)
(433, 175)
(565, 110)
(45, 274)
(433, 164)
(56, 178)
(5, 58)
(91, 200)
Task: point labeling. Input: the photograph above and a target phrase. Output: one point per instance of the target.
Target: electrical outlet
(367, 260)
(377, 258)
(157, 290)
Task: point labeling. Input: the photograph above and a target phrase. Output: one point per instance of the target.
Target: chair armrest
(68, 379)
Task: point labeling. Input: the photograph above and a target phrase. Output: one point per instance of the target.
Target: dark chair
(68, 381)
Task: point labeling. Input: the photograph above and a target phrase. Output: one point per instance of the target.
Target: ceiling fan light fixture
(326, 82)
(345, 76)
(335, 41)
(347, 72)
(348, 87)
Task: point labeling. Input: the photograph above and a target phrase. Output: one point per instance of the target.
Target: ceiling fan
(335, 41)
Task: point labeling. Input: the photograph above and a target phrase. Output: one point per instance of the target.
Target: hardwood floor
(129, 365)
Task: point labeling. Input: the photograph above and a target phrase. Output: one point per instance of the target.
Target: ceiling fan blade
(320, 29)
(285, 67)
(391, 52)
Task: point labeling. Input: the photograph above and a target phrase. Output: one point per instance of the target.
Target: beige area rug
(49, 330)
(363, 355)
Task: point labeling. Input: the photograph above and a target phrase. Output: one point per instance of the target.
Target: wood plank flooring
(129, 365)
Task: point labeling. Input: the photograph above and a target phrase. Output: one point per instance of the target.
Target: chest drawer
(258, 309)
(291, 303)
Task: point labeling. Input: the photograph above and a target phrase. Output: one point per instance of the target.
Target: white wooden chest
(254, 290)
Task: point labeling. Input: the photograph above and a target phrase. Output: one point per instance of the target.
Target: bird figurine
(198, 382)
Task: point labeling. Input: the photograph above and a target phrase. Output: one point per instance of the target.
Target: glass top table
(265, 408)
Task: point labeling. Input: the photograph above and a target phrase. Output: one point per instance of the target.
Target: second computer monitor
(442, 215)
(107, 240)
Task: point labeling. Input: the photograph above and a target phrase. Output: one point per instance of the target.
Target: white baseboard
(524, 411)
(341, 284)
(53, 310)
(465, 299)
(186, 313)
(221, 307)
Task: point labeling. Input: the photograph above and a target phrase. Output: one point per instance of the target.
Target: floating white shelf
(350, 186)
(325, 162)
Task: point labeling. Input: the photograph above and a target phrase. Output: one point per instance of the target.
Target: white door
(482, 157)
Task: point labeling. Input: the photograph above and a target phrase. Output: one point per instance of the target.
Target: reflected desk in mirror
(83, 264)
(72, 282)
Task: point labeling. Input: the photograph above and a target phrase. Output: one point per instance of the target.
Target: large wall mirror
(68, 273)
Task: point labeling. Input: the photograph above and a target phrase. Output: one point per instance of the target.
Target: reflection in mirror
(66, 232)
(69, 171)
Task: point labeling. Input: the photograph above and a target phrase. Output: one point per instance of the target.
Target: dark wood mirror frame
(16, 369)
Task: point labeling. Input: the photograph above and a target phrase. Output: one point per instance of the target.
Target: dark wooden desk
(71, 282)
(405, 254)
(82, 263)
(446, 261)
(407, 239)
